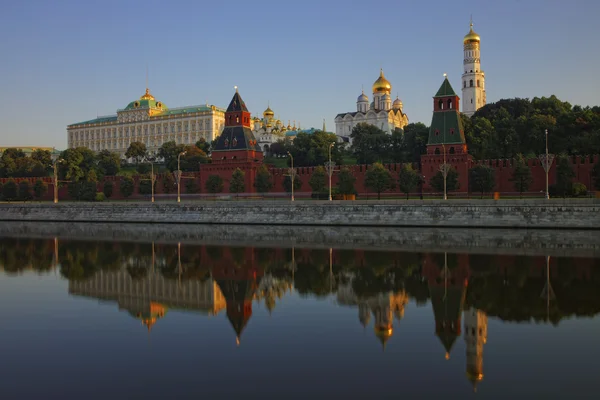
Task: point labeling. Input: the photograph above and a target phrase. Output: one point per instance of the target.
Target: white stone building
(268, 130)
(473, 79)
(148, 121)
(382, 112)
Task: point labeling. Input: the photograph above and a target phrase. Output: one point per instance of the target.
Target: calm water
(106, 320)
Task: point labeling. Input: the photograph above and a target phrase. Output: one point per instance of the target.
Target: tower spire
(324, 130)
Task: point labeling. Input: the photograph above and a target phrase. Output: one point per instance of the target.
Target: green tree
(10, 190)
(44, 158)
(191, 186)
(39, 189)
(108, 188)
(82, 190)
(596, 175)
(25, 191)
(408, 179)
(214, 184)
(312, 149)
(109, 163)
(169, 151)
(318, 181)
(203, 145)
(287, 183)
(127, 186)
(237, 182)
(145, 185)
(379, 179)
(452, 184)
(482, 179)
(264, 181)
(346, 182)
(137, 151)
(564, 176)
(370, 144)
(521, 175)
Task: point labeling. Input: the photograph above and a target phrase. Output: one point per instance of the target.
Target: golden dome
(147, 95)
(382, 84)
(269, 112)
(471, 36)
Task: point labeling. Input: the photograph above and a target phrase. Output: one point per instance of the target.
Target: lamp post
(55, 167)
(179, 175)
(330, 166)
(445, 171)
(292, 172)
(152, 179)
(547, 168)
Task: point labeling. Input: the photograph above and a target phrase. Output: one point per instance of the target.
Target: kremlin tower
(473, 79)
(475, 338)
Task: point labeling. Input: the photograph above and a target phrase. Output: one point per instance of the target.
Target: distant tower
(473, 85)
(475, 338)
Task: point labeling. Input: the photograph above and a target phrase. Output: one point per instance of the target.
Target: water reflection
(147, 280)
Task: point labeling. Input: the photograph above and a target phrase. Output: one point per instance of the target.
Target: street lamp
(546, 163)
(183, 153)
(54, 166)
(330, 165)
(292, 173)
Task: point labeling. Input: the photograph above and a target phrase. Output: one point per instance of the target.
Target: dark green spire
(445, 89)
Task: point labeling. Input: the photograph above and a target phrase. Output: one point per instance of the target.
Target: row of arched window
(471, 83)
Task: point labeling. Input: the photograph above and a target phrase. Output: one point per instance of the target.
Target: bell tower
(473, 78)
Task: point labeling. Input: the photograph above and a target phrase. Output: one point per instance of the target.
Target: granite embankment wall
(528, 214)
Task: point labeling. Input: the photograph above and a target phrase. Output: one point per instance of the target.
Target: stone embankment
(526, 214)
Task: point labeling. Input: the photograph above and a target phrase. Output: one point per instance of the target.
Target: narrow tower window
(471, 83)
(449, 104)
(478, 83)
(441, 104)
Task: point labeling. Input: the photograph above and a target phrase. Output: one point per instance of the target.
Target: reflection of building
(148, 298)
(271, 289)
(238, 282)
(382, 306)
(381, 113)
(149, 121)
(475, 338)
(447, 278)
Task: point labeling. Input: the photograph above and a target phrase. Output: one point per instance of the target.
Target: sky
(66, 61)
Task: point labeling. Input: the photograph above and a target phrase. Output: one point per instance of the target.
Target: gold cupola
(471, 36)
(268, 112)
(147, 95)
(382, 84)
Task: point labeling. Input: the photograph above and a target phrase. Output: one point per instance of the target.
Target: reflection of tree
(17, 255)
(313, 279)
(78, 260)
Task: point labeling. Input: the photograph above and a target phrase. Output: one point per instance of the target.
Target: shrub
(39, 189)
(214, 184)
(191, 187)
(100, 196)
(579, 189)
(9, 190)
(126, 187)
(108, 189)
(25, 191)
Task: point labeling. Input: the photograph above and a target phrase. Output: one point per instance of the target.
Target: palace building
(382, 112)
(149, 121)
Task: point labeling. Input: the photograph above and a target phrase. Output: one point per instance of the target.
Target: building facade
(473, 79)
(149, 121)
(268, 130)
(381, 112)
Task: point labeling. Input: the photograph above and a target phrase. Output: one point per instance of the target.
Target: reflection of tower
(384, 306)
(238, 284)
(548, 292)
(364, 314)
(475, 338)
(447, 287)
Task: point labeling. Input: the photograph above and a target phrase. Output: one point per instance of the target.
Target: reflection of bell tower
(238, 282)
(475, 338)
(364, 314)
(447, 278)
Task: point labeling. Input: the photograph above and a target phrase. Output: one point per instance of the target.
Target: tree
(126, 187)
(203, 145)
(521, 175)
(437, 181)
(24, 191)
(109, 163)
(145, 185)
(482, 179)
(264, 181)
(287, 183)
(310, 149)
(191, 187)
(564, 176)
(9, 190)
(408, 179)
(369, 144)
(169, 151)
(346, 182)
(379, 179)
(168, 183)
(214, 184)
(318, 181)
(39, 189)
(107, 189)
(137, 151)
(237, 182)
(596, 175)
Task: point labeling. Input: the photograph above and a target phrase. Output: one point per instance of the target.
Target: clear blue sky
(67, 61)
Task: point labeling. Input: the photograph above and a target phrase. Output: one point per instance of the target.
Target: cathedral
(382, 112)
(268, 130)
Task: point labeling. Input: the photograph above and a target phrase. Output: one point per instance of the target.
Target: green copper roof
(446, 128)
(445, 89)
(144, 104)
(99, 120)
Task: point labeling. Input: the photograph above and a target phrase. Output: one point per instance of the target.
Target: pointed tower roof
(445, 89)
(237, 104)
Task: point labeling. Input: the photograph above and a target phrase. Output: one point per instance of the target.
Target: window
(471, 83)
(452, 149)
(441, 104)
(471, 101)
(437, 132)
(449, 104)
(465, 84)
(478, 83)
(437, 151)
(452, 131)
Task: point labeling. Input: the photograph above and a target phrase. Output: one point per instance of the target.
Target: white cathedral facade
(381, 112)
(473, 78)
